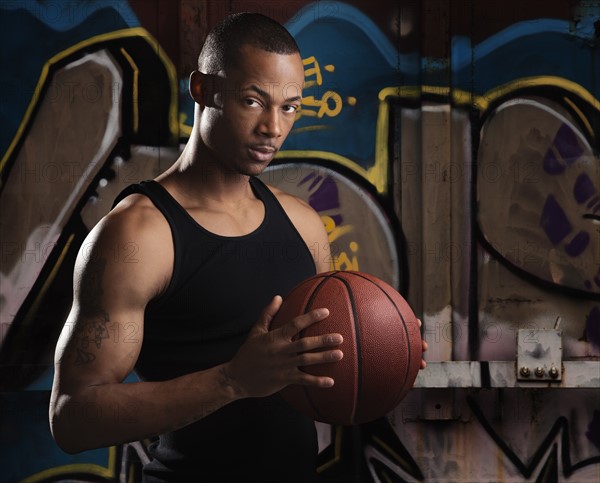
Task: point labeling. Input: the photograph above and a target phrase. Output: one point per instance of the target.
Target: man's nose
(270, 123)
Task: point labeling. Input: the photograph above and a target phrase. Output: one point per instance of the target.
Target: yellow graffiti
(135, 96)
(86, 469)
(135, 32)
(323, 105)
(333, 231)
(330, 104)
(342, 261)
(315, 71)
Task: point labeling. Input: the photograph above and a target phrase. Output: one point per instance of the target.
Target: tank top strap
(172, 210)
(263, 192)
(276, 213)
(163, 200)
(156, 193)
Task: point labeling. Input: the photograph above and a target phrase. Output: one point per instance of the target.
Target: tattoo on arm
(95, 319)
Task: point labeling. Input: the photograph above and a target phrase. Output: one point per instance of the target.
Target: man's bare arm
(91, 406)
(102, 338)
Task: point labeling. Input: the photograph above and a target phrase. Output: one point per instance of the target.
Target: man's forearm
(108, 414)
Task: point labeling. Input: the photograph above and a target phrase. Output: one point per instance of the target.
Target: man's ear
(199, 87)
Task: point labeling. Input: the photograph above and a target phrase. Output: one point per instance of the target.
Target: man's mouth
(262, 153)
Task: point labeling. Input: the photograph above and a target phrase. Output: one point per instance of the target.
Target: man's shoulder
(133, 243)
(293, 205)
(135, 218)
(137, 210)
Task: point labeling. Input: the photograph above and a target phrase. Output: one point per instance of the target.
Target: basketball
(382, 347)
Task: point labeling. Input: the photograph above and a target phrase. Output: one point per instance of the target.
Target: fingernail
(322, 312)
(335, 339)
(337, 355)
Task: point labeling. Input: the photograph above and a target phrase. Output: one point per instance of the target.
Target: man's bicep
(102, 337)
(97, 350)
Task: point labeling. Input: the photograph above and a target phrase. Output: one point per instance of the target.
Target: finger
(310, 380)
(423, 364)
(298, 324)
(425, 345)
(324, 357)
(266, 316)
(306, 344)
(419, 321)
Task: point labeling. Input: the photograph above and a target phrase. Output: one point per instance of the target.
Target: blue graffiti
(51, 28)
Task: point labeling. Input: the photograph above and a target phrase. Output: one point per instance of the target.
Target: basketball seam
(357, 334)
(408, 370)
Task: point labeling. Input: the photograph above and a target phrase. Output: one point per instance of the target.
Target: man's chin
(254, 169)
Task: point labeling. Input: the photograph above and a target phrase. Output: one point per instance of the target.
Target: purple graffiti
(554, 221)
(326, 197)
(583, 189)
(552, 164)
(578, 244)
(567, 145)
(315, 182)
(564, 148)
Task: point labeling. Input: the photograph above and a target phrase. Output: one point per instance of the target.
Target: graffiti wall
(451, 148)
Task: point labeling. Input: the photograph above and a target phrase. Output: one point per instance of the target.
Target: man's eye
(251, 102)
(290, 108)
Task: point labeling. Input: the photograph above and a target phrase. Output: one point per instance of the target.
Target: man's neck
(203, 181)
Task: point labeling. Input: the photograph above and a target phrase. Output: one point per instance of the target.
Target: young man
(215, 248)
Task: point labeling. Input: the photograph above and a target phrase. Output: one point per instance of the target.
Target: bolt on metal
(553, 372)
(539, 372)
(525, 371)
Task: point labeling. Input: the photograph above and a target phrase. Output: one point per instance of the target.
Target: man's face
(252, 109)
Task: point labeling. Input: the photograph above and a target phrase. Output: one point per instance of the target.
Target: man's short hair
(222, 46)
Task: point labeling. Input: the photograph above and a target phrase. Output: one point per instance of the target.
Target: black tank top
(218, 288)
